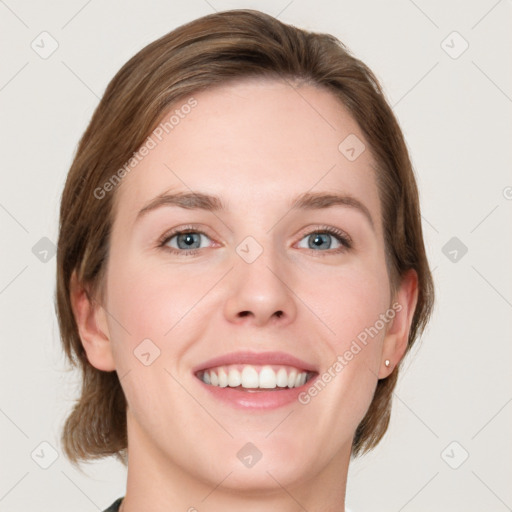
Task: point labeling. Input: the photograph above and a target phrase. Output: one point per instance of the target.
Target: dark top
(115, 506)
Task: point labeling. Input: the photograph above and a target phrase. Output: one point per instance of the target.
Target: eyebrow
(212, 203)
(321, 200)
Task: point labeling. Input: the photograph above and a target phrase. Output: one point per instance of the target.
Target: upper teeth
(248, 377)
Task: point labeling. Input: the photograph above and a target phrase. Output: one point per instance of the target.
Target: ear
(397, 334)
(92, 325)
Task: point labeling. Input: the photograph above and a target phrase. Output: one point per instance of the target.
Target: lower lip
(257, 400)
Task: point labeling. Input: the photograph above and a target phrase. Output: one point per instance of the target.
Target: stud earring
(387, 363)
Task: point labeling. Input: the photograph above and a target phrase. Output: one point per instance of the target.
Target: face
(255, 275)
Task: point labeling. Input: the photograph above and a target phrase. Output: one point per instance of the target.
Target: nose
(260, 292)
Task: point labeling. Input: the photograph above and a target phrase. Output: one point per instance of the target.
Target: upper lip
(257, 358)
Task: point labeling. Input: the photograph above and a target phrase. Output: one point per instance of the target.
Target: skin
(257, 144)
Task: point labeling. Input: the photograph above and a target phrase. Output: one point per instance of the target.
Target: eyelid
(322, 228)
(162, 240)
(344, 239)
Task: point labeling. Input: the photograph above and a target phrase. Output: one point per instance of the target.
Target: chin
(264, 478)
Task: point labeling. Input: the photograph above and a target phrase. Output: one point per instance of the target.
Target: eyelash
(341, 236)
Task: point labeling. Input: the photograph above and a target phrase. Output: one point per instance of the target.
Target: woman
(241, 269)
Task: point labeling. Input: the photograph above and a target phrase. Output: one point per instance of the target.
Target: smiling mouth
(254, 378)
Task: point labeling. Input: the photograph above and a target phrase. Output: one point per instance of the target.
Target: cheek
(354, 312)
(152, 303)
(152, 320)
(350, 301)
(354, 303)
(359, 316)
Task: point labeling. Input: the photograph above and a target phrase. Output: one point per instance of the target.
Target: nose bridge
(258, 284)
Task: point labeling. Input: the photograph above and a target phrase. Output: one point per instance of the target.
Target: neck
(157, 483)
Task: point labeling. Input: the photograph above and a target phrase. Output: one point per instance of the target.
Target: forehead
(253, 143)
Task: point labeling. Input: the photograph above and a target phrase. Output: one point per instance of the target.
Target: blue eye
(323, 239)
(187, 241)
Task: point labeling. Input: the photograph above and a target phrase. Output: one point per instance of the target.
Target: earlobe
(397, 334)
(90, 317)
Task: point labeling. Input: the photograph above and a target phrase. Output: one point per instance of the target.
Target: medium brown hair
(206, 52)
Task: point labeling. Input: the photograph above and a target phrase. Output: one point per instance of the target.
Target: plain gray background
(449, 446)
